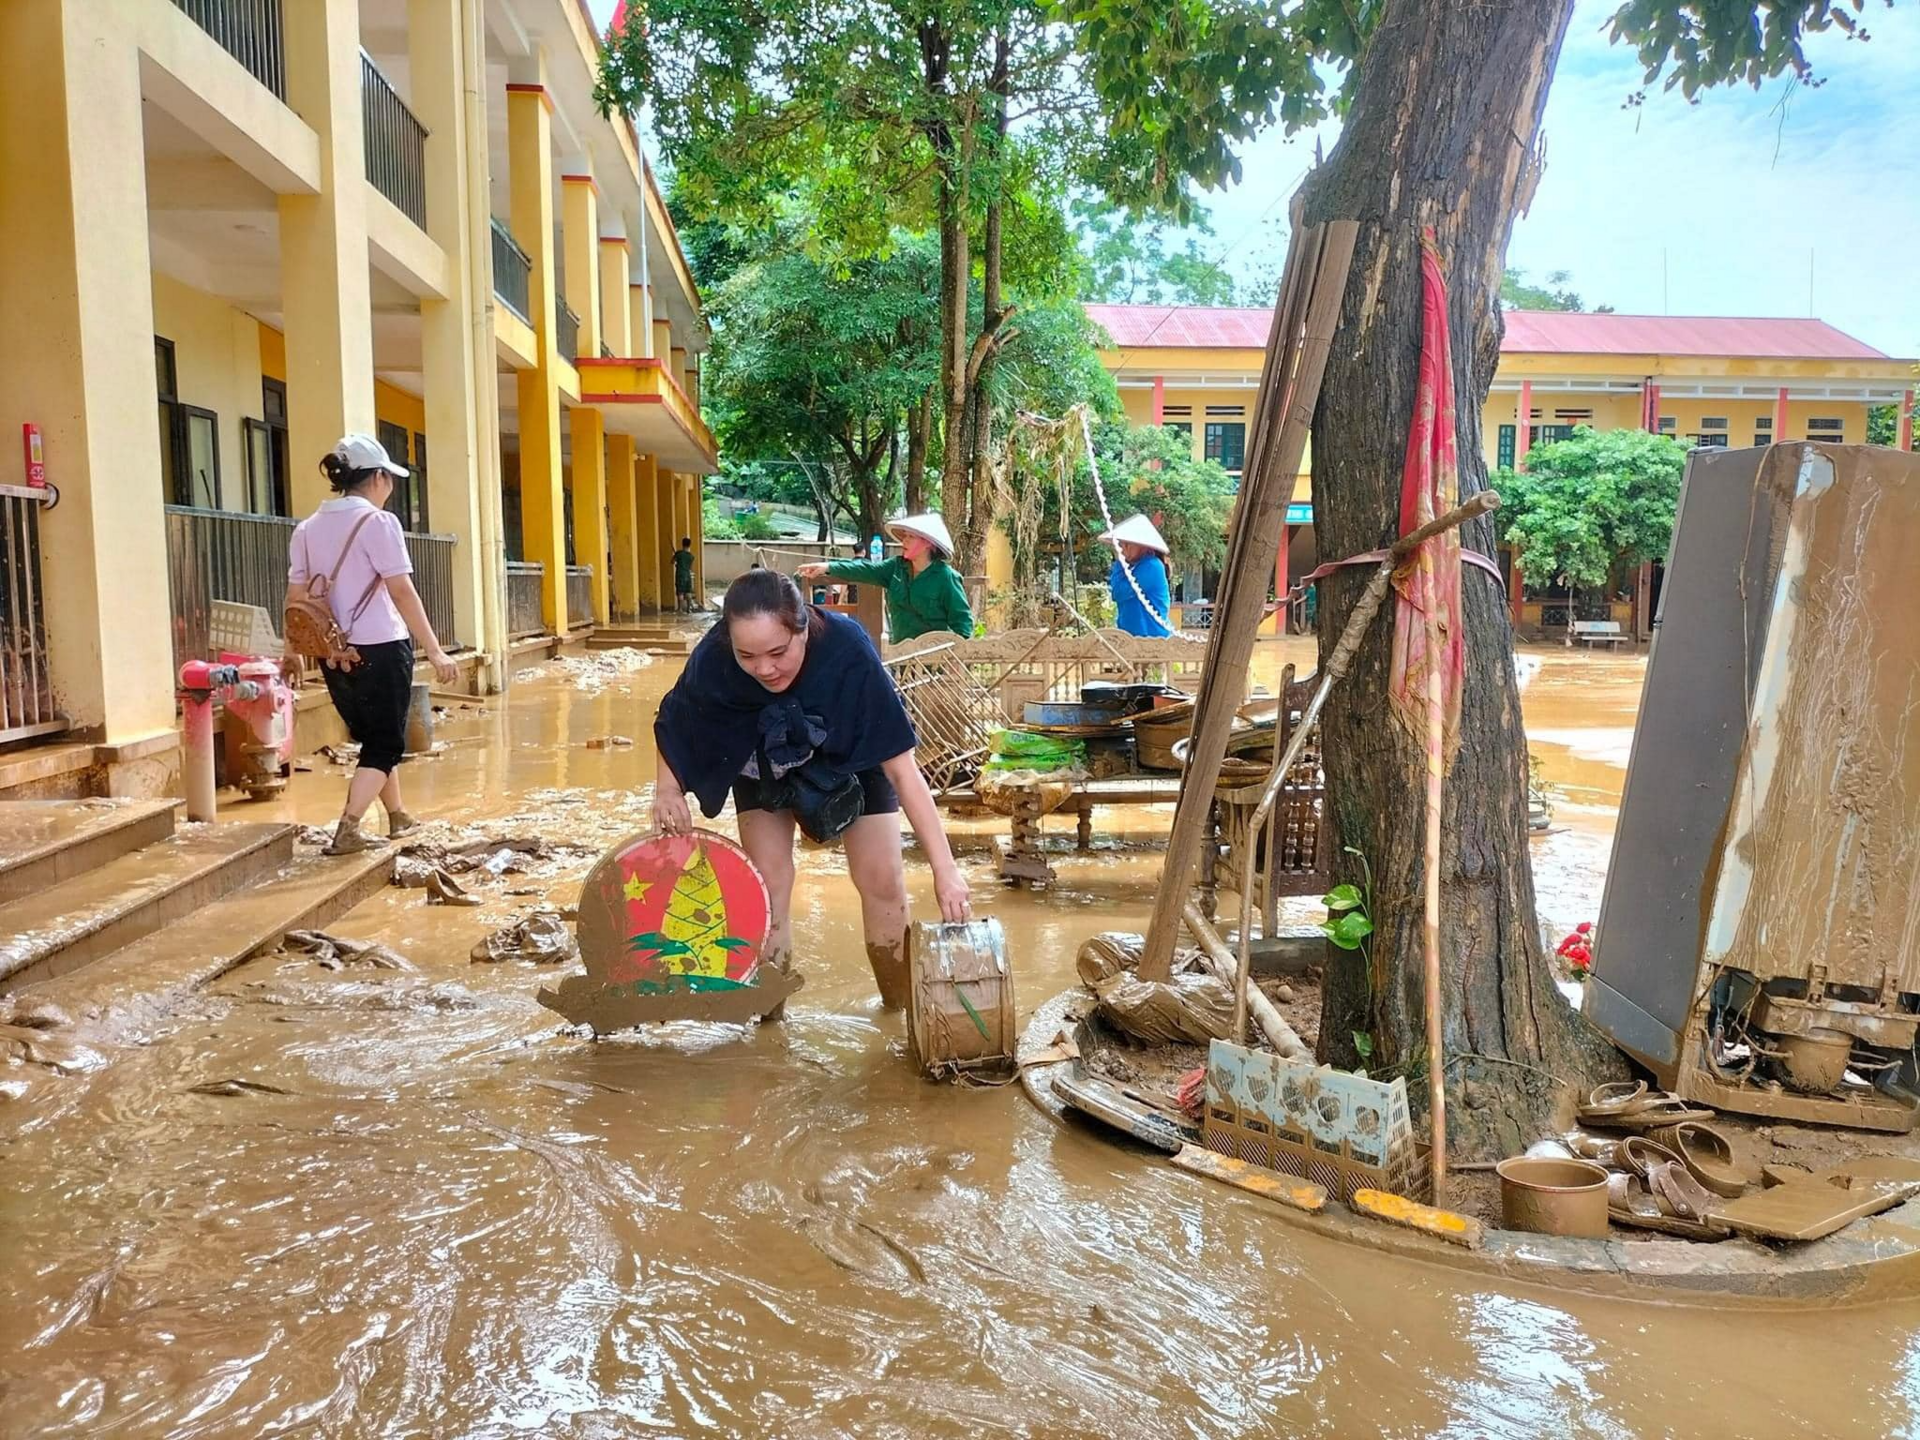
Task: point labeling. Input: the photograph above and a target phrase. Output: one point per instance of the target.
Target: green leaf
(1342, 897)
(1349, 930)
(1363, 1044)
(733, 942)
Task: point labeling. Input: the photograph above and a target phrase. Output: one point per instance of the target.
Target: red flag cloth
(1427, 587)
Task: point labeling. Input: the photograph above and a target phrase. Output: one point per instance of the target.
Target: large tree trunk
(950, 193)
(919, 424)
(1441, 133)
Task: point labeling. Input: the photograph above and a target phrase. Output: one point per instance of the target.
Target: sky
(1739, 205)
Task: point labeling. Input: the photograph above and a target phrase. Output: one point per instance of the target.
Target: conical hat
(929, 526)
(1138, 530)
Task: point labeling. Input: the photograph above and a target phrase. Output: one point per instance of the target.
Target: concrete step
(57, 930)
(44, 842)
(139, 983)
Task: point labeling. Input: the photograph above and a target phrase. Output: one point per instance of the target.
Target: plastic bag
(1023, 750)
(1192, 1007)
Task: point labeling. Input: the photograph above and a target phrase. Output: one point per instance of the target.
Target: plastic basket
(234, 628)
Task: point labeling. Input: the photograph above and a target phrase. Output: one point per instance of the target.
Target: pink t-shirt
(379, 553)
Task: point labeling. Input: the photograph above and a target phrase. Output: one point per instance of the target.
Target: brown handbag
(312, 629)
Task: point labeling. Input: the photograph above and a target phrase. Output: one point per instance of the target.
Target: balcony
(512, 273)
(228, 555)
(396, 143)
(567, 338)
(525, 615)
(637, 397)
(579, 596)
(248, 30)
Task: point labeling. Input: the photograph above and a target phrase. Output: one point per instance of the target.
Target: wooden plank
(1809, 1210)
(1455, 1229)
(1295, 1194)
(1289, 389)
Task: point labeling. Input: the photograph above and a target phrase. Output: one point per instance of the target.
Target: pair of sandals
(1629, 1105)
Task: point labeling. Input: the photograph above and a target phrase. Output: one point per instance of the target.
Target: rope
(1100, 491)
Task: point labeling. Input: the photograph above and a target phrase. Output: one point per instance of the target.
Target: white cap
(1137, 530)
(929, 527)
(363, 452)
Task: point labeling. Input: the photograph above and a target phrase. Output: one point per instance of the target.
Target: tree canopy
(1517, 294)
(1584, 504)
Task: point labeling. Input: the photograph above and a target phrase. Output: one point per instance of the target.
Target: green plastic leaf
(1342, 897)
(1349, 930)
(733, 942)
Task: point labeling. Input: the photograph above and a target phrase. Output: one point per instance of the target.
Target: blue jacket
(1151, 571)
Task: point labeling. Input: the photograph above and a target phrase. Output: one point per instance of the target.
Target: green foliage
(715, 522)
(1698, 43)
(1192, 498)
(1517, 294)
(1883, 425)
(1126, 260)
(1586, 503)
(626, 65)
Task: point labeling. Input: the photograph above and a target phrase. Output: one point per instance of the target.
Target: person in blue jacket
(1144, 553)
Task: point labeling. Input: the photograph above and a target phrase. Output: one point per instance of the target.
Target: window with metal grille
(1763, 430)
(1713, 422)
(1509, 434)
(1668, 424)
(1227, 444)
(1710, 439)
(1828, 429)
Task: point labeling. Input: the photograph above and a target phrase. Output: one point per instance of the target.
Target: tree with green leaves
(1443, 105)
(1130, 260)
(1585, 506)
(1150, 470)
(1517, 294)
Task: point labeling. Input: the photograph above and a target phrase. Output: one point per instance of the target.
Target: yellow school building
(1716, 381)
(233, 230)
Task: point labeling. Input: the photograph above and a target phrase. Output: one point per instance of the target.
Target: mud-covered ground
(425, 1210)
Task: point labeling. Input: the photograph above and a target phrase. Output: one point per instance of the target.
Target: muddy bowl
(1551, 1196)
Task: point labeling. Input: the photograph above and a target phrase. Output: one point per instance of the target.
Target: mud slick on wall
(457, 1220)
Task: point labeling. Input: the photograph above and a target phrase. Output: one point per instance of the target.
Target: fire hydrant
(254, 693)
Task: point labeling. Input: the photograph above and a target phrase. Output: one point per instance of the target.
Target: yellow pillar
(543, 534)
(325, 292)
(646, 531)
(673, 508)
(663, 343)
(590, 503)
(453, 393)
(697, 527)
(76, 306)
(580, 233)
(623, 577)
(693, 382)
(640, 317)
(678, 366)
(616, 308)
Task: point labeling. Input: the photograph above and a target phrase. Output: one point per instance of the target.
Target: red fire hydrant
(253, 691)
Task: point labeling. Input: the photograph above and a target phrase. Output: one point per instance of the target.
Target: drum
(960, 1013)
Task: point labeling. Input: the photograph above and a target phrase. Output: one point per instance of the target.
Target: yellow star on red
(636, 888)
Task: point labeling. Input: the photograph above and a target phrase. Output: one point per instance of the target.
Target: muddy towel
(1005, 791)
(1193, 1007)
(542, 937)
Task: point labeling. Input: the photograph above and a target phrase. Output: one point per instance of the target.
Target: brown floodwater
(460, 1220)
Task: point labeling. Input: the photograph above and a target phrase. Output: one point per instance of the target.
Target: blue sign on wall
(1300, 512)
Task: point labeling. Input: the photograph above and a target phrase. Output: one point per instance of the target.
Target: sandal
(1639, 1156)
(1617, 1098)
(1679, 1194)
(1707, 1154)
(1603, 1150)
(1653, 1112)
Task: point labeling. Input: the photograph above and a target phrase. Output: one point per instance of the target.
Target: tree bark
(1441, 133)
(919, 424)
(950, 203)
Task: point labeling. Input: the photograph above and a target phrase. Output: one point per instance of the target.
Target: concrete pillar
(693, 381)
(453, 393)
(325, 292)
(543, 536)
(677, 366)
(662, 342)
(590, 503)
(580, 233)
(616, 307)
(1906, 421)
(1653, 408)
(1523, 432)
(647, 539)
(623, 568)
(640, 317)
(673, 509)
(697, 528)
(76, 305)
(1779, 416)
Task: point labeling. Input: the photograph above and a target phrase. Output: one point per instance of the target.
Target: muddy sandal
(1618, 1098)
(1603, 1150)
(1679, 1194)
(1652, 1112)
(1707, 1154)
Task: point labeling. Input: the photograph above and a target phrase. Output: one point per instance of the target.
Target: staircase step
(139, 983)
(43, 842)
(58, 930)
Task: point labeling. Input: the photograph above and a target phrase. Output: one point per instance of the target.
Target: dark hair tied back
(342, 477)
(766, 592)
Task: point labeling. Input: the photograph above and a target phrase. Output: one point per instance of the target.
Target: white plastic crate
(242, 630)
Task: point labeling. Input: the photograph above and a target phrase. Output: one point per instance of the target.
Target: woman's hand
(444, 670)
(813, 570)
(950, 889)
(670, 812)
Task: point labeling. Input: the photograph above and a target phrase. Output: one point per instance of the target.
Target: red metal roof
(1532, 331)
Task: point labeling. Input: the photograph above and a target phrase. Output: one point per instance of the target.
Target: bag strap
(347, 549)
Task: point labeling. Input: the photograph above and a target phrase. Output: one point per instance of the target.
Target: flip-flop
(1617, 1098)
(1707, 1154)
(1628, 1201)
(1638, 1156)
(1654, 1112)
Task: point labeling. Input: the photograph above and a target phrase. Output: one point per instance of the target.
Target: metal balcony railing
(26, 675)
(525, 617)
(512, 273)
(248, 30)
(568, 338)
(579, 596)
(396, 144)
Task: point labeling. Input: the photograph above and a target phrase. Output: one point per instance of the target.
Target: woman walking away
(357, 549)
(923, 592)
(1142, 552)
(788, 706)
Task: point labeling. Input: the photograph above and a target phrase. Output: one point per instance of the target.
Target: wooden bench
(1599, 632)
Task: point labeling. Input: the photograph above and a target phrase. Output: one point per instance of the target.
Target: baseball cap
(363, 452)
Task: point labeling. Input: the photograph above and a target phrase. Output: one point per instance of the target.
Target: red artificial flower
(1585, 927)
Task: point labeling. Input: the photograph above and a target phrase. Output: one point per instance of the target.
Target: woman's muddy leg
(873, 860)
(362, 789)
(767, 837)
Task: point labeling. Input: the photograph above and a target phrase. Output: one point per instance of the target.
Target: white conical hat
(1137, 530)
(930, 526)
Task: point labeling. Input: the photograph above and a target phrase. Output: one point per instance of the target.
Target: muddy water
(458, 1221)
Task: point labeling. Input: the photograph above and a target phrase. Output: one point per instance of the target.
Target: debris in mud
(317, 835)
(443, 889)
(54, 1052)
(32, 1013)
(346, 753)
(609, 742)
(232, 1087)
(595, 671)
(1193, 1007)
(541, 937)
(337, 952)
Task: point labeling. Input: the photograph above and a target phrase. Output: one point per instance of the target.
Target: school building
(1714, 381)
(233, 230)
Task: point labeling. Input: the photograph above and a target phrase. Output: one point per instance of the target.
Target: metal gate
(26, 679)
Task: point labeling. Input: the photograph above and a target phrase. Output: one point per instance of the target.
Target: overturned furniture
(1756, 945)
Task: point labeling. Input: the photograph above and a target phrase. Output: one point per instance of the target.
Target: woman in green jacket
(923, 592)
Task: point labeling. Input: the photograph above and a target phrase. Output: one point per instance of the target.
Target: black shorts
(372, 699)
(877, 795)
